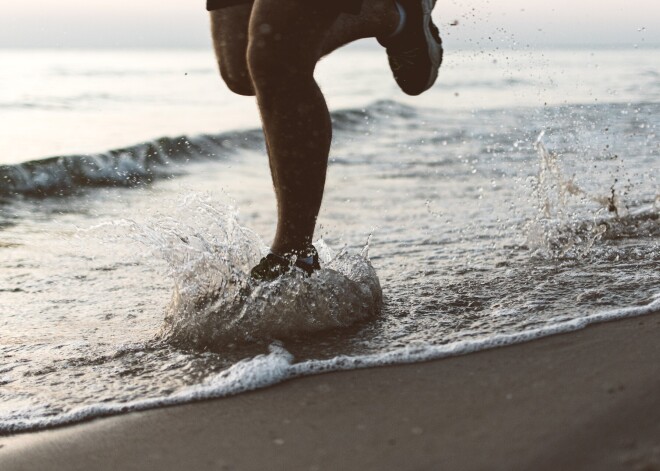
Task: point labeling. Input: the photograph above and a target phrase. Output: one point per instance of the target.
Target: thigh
(290, 32)
(229, 28)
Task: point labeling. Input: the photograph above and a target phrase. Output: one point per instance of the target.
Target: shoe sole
(434, 50)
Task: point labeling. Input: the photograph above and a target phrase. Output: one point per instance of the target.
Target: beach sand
(588, 400)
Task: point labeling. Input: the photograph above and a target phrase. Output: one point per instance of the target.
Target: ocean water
(518, 198)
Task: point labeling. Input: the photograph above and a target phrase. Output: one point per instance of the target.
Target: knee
(263, 68)
(237, 79)
(230, 39)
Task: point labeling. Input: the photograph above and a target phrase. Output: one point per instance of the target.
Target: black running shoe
(273, 266)
(415, 53)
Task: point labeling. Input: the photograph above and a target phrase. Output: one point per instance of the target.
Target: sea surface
(517, 199)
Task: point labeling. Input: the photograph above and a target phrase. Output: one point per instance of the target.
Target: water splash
(209, 255)
(570, 221)
(558, 230)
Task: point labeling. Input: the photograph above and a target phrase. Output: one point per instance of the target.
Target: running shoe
(273, 266)
(415, 52)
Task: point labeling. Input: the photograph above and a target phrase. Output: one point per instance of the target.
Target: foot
(415, 52)
(273, 266)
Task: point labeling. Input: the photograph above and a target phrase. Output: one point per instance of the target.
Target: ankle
(288, 252)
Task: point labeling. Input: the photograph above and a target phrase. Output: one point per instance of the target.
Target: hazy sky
(184, 23)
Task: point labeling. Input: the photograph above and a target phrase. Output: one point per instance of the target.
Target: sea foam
(279, 365)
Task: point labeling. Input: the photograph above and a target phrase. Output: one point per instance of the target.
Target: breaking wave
(162, 158)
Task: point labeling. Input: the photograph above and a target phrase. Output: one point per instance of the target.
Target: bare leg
(287, 39)
(229, 28)
(378, 18)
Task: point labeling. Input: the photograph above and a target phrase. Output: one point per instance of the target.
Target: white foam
(278, 366)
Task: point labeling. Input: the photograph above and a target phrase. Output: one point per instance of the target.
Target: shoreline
(587, 399)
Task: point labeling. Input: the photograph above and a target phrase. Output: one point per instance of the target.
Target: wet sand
(580, 401)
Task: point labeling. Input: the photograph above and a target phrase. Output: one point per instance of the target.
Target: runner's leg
(229, 28)
(287, 39)
(378, 18)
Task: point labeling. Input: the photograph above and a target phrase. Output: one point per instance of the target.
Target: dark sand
(588, 400)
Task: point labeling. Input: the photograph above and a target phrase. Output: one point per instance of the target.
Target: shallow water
(122, 272)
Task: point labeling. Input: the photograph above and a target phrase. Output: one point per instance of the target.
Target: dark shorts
(347, 6)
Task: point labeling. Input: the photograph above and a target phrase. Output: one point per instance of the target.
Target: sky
(481, 23)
